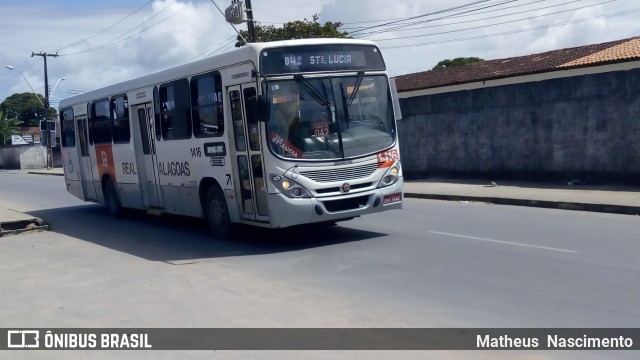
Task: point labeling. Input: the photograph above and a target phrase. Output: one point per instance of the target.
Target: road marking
(503, 242)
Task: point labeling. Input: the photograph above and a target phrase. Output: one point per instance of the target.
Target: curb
(44, 173)
(602, 208)
(22, 225)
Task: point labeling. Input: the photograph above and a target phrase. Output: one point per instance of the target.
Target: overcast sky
(101, 42)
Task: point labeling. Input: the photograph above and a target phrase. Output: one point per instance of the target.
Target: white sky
(177, 31)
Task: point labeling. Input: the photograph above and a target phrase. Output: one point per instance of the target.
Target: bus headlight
(290, 188)
(391, 176)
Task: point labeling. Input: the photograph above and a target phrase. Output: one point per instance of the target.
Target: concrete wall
(23, 157)
(584, 127)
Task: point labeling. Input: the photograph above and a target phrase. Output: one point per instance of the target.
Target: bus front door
(145, 149)
(86, 164)
(251, 187)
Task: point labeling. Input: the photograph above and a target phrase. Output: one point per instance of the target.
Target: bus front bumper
(286, 212)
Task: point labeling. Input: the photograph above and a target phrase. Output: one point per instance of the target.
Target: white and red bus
(271, 134)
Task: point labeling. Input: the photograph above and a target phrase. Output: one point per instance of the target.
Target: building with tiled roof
(553, 63)
(35, 133)
(564, 114)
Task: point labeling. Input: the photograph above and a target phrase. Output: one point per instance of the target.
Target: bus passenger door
(251, 190)
(86, 165)
(145, 150)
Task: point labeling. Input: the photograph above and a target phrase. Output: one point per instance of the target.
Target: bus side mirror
(263, 108)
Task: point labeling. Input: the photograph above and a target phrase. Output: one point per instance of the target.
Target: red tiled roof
(35, 130)
(563, 59)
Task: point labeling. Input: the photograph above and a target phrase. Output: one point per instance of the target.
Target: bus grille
(337, 189)
(350, 173)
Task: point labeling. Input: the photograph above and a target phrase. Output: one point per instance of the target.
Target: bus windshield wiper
(333, 121)
(356, 88)
(345, 107)
(315, 94)
(322, 99)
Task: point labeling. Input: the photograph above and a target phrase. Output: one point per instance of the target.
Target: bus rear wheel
(114, 208)
(218, 213)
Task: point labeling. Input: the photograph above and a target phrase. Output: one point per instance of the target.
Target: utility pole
(250, 25)
(235, 15)
(46, 107)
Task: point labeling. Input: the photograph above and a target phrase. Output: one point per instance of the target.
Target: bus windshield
(326, 118)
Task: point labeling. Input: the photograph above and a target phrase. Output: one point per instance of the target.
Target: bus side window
(156, 111)
(100, 122)
(68, 129)
(252, 119)
(175, 110)
(120, 116)
(236, 118)
(206, 105)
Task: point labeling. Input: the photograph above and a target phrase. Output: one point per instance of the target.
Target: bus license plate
(390, 199)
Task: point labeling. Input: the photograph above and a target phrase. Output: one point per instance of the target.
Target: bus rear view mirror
(264, 107)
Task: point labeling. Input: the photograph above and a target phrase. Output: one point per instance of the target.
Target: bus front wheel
(218, 213)
(111, 199)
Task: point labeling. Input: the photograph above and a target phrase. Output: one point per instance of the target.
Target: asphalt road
(432, 264)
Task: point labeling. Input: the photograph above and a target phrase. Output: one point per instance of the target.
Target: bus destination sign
(321, 58)
(324, 58)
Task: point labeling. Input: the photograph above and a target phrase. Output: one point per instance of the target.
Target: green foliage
(446, 63)
(8, 127)
(304, 29)
(27, 107)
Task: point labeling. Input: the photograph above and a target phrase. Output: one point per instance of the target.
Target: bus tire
(217, 213)
(111, 200)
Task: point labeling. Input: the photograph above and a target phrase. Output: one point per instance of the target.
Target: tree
(28, 108)
(304, 29)
(446, 63)
(8, 127)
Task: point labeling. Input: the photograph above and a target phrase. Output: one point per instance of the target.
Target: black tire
(111, 200)
(217, 213)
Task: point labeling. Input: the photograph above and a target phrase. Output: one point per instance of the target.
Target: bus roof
(249, 52)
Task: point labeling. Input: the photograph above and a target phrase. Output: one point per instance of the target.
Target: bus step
(154, 211)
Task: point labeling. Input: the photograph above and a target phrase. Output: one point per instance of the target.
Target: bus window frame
(115, 119)
(93, 138)
(64, 120)
(217, 105)
(175, 110)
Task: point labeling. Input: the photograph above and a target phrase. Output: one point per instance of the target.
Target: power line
(504, 8)
(223, 45)
(403, 26)
(116, 41)
(543, 27)
(234, 28)
(110, 27)
(410, 26)
(3, 78)
(404, 18)
(476, 20)
(230, 46)
(427, 14)
(494, 24)
(209, 50)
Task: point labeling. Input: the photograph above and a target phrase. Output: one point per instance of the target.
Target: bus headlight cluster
(289, 188)
(391, 176)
